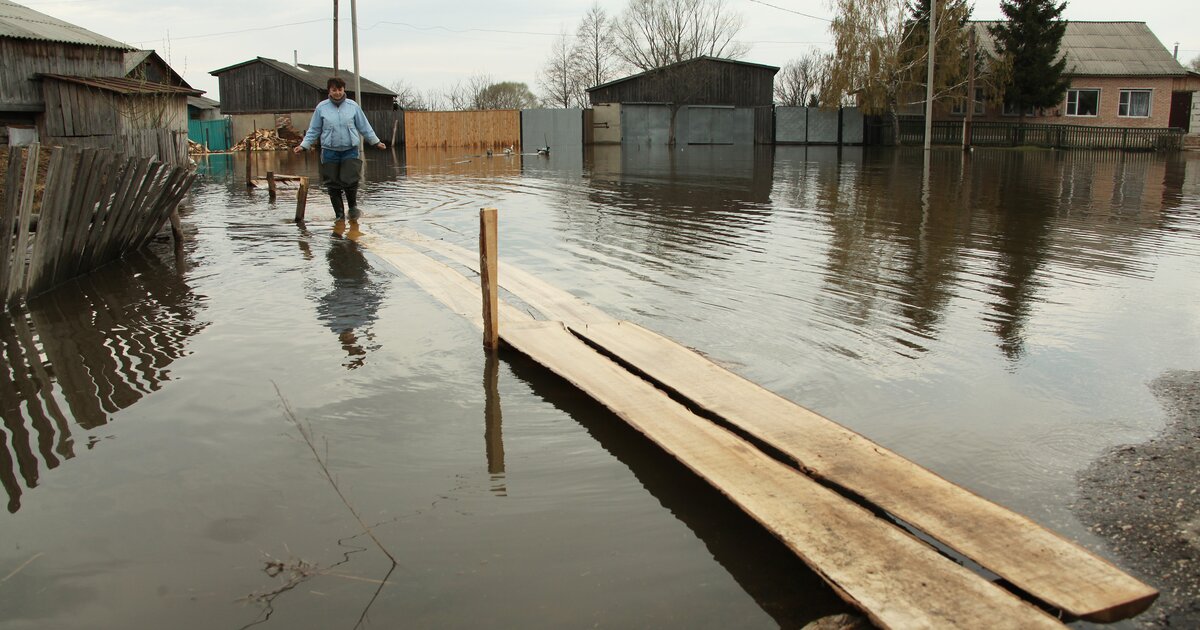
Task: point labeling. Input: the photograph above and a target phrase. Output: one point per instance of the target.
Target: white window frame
(1067, 103)
(1125, 101)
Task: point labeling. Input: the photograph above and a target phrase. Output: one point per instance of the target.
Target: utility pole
(357, 73)
(966, 132)
(335, 38)
(929, 75)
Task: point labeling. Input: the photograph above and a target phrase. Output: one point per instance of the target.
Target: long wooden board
(1033, 558)
(898, 581)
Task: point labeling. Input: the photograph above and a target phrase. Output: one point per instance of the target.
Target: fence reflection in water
(79, 355)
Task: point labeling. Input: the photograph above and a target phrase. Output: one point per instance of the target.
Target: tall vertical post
(967, 120)
(335, 38)
(271, 185)
(301, 199)
(249, 172)
(488, 273)
(357, 79)
(929, 75)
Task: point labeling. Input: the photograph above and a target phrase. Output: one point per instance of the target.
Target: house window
(1134, 103)
(1083, 102)
(960, 104)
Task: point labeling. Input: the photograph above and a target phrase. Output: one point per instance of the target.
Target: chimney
(1176, 53)
(296, 57)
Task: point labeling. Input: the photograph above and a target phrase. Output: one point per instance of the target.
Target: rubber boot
(339, 209)
(352, 199)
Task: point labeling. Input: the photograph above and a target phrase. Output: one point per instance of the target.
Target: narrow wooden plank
(898, 581)
(69, 217)
(105, 198)
(83, 215)
(126, 206)
(17, 270)
(1035, 559)
(59, 189)
(8, 215)
(127, 170)
(301, 199)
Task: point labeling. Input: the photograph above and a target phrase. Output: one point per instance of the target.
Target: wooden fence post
(488, 271)
(249, 173)
(301, 199)
(271, 185)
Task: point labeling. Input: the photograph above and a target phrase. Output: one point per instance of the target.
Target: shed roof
(631, 77)
(1107, 49)
(316, 76)
(201, 102)
(134, 58)
(121, 85)
(21, 22)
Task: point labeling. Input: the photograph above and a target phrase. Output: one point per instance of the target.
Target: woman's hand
(381, 146)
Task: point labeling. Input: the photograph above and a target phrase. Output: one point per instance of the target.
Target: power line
(244, 30)
(807, 15)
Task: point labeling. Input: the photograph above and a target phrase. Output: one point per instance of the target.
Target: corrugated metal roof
(20, 22)
(1106, 49)
(121, 85)
(316, 76)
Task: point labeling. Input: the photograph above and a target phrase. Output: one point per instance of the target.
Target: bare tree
(1194, 64)
(801, 80)
(464, 96)
(655, 33)
(594, 57)
(559, 79)
(878, 59)
(408, 97)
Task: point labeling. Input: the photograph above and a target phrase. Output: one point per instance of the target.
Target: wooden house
(265, 93)
(33, 43)
(706, 100)
(147, 65)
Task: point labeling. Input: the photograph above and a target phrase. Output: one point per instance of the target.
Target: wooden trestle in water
(895, 578)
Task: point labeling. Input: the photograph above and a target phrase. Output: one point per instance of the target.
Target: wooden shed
(705, 100)
(699, 81)
(264, 86)
(33, 43)
(264, 93)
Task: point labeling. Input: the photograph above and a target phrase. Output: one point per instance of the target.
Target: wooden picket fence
(480, 130)
(95, 206)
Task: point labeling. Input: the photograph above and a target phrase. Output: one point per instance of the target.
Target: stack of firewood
(195, 148)
(263, 140)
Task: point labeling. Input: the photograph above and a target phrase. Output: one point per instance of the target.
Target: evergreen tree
(1029, 41)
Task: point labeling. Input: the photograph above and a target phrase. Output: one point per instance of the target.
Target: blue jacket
(339, 126)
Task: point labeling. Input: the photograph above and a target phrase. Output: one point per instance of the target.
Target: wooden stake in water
(488, 274)
(249, 172)
(271, 185)
(301, 199)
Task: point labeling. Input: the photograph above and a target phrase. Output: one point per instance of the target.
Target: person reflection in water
(350, 307)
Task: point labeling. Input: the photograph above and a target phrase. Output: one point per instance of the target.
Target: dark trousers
(339, 173)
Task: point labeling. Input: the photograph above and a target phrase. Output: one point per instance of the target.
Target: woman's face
(337, 93)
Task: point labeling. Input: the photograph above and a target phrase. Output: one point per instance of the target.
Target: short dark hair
(335, 82)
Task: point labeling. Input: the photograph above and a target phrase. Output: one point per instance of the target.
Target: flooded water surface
(994, 317)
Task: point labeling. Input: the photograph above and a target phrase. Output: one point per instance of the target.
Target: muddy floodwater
(995, 318)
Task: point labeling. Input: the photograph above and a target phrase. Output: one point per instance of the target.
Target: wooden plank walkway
(1037, 561)
(1031, 557)
(897, 580)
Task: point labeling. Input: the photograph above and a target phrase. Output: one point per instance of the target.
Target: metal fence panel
(560, 129)
(852, 125)
(822, 126)
(791, 124)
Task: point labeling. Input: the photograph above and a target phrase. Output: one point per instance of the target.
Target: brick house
(1120, 76)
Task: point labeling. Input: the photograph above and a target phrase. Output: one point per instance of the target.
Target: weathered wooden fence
(491, 129)
(94, 207)
(1011, 134)
(166, 145)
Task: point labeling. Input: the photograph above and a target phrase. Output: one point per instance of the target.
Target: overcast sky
(431, 45)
